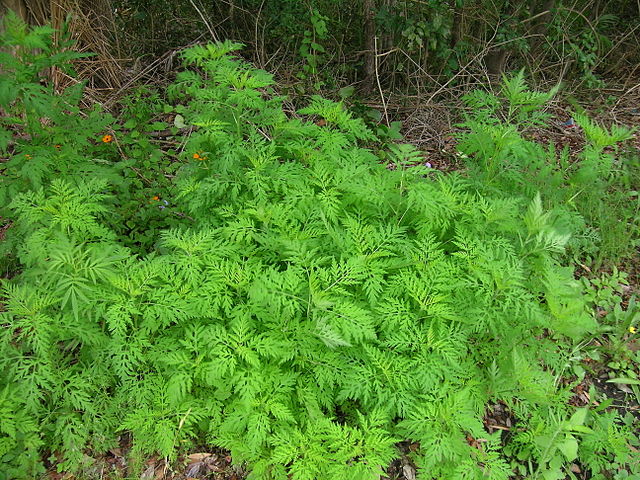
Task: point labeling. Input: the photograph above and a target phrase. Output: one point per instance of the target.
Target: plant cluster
(591, 194)
(306, 306)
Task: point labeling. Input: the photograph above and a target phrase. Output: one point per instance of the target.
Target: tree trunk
(540, 24)
(494, 61)
(18, 6)
(387, 40)
(456, 25)
(369, 44)
(497, 57)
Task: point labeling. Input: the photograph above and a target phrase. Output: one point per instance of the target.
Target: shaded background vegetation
(410, 46)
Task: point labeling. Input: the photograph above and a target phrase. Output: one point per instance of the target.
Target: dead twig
(214, 37)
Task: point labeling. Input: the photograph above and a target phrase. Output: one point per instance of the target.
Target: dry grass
(91, 26)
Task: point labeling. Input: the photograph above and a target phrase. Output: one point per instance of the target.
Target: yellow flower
(107, 138)
(632, 329)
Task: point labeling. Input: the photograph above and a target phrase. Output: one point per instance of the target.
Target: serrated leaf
(281, 412)
(329, 336)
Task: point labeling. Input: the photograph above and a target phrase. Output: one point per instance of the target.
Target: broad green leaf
(178, 121)
(569, 448)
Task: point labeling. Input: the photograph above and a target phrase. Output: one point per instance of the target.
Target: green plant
(579, 436)
(620, 323)
(588, 195)
(44, 133)
(147, 206)
(605, 292)
(316, 309)
(47, 135)
(311, 49)
(588, 43)
(313, 309)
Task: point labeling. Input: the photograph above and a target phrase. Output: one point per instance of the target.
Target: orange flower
(156, 198)
(27, 156)
(196, 156)
(57, 147)
(107, 138)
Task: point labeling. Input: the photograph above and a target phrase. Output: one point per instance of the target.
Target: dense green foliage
(591, 193)
(420, 43)
(296, 301)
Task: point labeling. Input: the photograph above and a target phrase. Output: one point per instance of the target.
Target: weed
(313, 309)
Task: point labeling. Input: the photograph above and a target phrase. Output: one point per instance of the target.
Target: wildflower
(632, 329)
(107, 138)
(27, 156)
(156, 198)
(57, 146)
(196, 156)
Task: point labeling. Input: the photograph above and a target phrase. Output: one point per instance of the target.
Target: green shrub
(47, 135)
(315, 308)
(50, 135)
(590, 194)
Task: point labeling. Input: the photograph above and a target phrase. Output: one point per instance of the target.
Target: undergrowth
(295, 301)
(592, 193)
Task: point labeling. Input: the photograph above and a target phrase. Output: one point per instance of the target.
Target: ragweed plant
(317, 309)
(590, 193)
